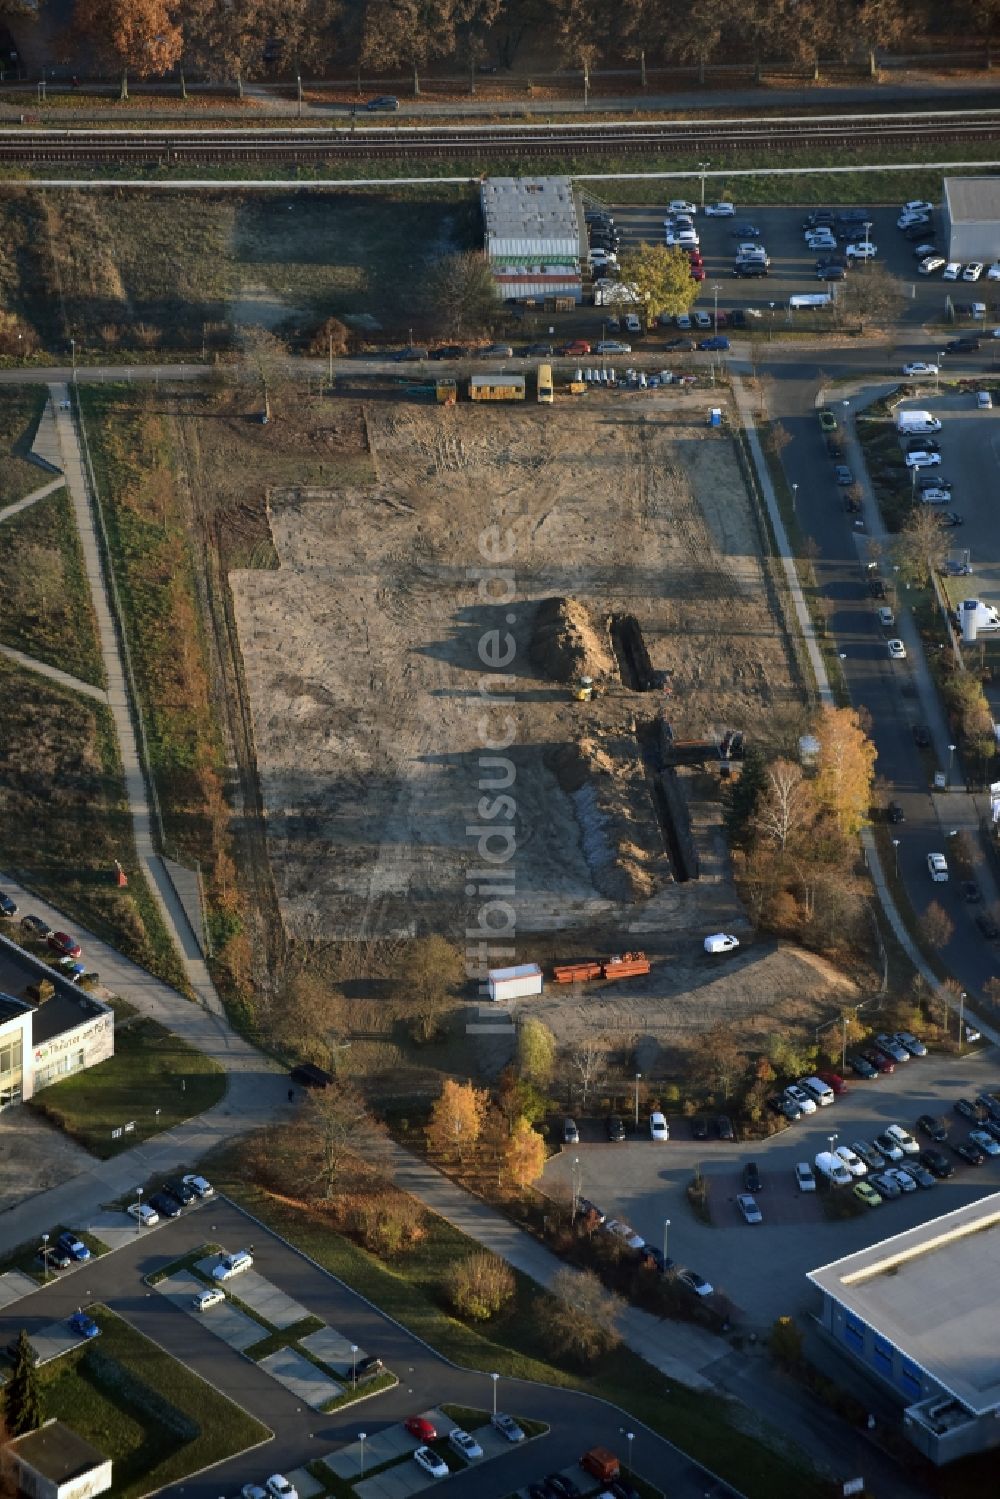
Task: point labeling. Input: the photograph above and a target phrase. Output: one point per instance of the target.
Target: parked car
(658, 1126)
(937, 868)
(968, 1110)
(918, 367)
(370, 1364)
(562, 1487)
(928, 1125)
(147, 1216)
(862, 1067)
(421, 1428)
(83, 1326)
(748, 1207)
(800, 1097)
(716, 344)
(937, 1163)
(879, 1060)
(8, 907)
(985, 1141)
(427, 1458)
(615, 1129)
(842, 474)
(35, 924)
(989, 1105)
(62, 942)
(199, 1186)
(624, 1232)
(612, 346)
(51, 1257)
(904, 1181)
(74, 1247)
(751, 1177)
(805, 1180)
(892, 1047)
(452, 351)
(205, 1300)
(873, 1159)
(885, 1186)
(694, 1282)
(890, 1148)
(969, 1152)
(903, 1139)
(180, 1192)
(165, 1205)
(507, 1427)
(894, 813)
(912, 1043)
(232, 1264)
(721, 210)
(866, 1193)
(851, 1160)
(725, 1127)
(465, 1445)
(699, 1129)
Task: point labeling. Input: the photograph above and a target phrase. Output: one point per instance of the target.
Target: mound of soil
(566, 643)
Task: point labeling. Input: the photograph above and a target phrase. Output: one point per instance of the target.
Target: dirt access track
(404, 611)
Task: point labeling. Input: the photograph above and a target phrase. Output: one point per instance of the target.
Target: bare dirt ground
(365, 657)
(36, 1152)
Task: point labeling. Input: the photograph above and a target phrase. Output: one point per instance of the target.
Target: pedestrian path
(62, 678)
(31, 499)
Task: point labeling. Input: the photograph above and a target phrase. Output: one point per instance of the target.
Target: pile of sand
(566, 643)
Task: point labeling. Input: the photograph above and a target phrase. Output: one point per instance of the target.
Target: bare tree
(579, 1316)
(921, 546)
(787, 806)
(936, 926)
(460, 293)
(587, 1062)
(265, 363)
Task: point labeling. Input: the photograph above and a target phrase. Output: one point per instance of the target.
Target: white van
(833, 1169)
(818, 1089)
(721, 942)
(811, 299)
(916, 421)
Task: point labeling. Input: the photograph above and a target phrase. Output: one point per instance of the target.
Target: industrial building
(42, 1041)
(55, 1463)
(535, 236)
(971, 216)
(920, 1314)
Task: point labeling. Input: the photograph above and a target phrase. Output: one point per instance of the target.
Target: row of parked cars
(170, 1200)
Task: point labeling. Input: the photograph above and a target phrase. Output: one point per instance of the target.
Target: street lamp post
(638, 1080)
(666, 1231)
(576, 1185)
(795, 495)
(961, 1018)
(138, 1216)
(951, 759)
(354, 1365)
(496, 1380)
(895, 855)
(833, 1142)
(45, 1258)
(630, 1437)
(715, 292)
(703, 167)
(770, 326)
(361, 1439)
(72, 345)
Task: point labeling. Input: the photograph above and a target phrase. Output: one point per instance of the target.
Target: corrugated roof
(530, 208)
(972, 200)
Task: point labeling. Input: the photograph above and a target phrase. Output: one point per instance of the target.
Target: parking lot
(762, 1268)
(793, 267)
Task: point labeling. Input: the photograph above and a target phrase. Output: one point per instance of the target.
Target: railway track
(369, 142)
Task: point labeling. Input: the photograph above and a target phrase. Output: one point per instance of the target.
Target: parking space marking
(380, 1448)
(53, 1340)
(396, 1483)
(15, 1285)
(304, 1484)
(225, 1320)
(262, 1296)
(334, 1349)
(306, 1382)
(115, 1229)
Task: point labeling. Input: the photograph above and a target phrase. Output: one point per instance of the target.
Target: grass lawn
(409, 1289)
(47, 608)
(152, 1070)
(64, 819)
(20, 408)
(152, 1416)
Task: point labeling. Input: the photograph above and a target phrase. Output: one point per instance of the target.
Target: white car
(659, 1129)
(985, 1141)
(804, 1177)
(933, 494)
(886, 616)
(253, 1491)
(897, 650)
(279, 1488)
(721, 942)
(863, 250)
(678, 205)
(625, 1232)
(820, 242)
(973, 271)
(833, 1168)
(232, 1264)
(506, 1426)
(427, 1459)
(930, 264)
(937, 868)
(465, 1445)
(205, 1300)
(748, 1207)
(918, 206)
(199, 1186)
(923, 460)
(984, 400)
(903, 1139)
(720, 210)
(918, 367)
(993, 274)
(702, 320)
(801, 1097)
(854, 1163)
(952, 271)
(146, 1215)
(695, 1282)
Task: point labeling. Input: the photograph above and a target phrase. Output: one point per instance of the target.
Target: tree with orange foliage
(524, 1154)
(456, 1120)
(846, 768)
(137, 36)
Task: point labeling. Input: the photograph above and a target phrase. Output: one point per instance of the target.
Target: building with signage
(49, 1026)
(920, 1314)
(535, 237)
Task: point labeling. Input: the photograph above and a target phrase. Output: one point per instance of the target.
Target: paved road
(577, 1421)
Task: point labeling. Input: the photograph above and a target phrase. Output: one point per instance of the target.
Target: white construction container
(514, 983)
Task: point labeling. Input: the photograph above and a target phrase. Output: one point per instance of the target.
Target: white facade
(15, 1051)
(514, 983)
(534, 236)
(55, 1463)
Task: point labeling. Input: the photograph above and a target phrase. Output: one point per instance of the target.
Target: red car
(421, 1428)
(578, 346)
(697, 273)
(832, 1079)
(65, 944)
(880, 1060)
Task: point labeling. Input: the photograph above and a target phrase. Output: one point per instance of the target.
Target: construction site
(541, 630)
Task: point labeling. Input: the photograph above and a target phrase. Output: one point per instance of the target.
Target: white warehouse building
(972, 218)
(535, 236)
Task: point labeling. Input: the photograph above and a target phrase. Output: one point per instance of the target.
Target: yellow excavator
(583, 689)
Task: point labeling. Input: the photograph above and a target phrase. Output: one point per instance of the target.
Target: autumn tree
(141, 37)
(536, 1051)
(480, 1286)
(936, 926)
(843, 781)
(334, 1125)
(881, 23)
(308, 1018)
(456, 1120)
(872, 294)
(662, 277)
(717, 1060)
(787, 807)
(460, 294)
(579, 1317)
(22, 1400)
(524, 1154)
(407, 33)
(921, 546)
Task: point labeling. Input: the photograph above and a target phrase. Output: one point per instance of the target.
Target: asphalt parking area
(225, 1320)
(762, 1267)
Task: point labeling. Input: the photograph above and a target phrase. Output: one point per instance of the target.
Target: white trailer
(514, 983)
(976, 616)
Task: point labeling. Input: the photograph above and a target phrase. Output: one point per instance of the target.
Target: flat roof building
(972, 218)
(534, 236)
(921, 1313)
(43, 1040)
(55, 1463)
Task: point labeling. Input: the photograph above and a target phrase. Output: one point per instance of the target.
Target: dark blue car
(714, 343)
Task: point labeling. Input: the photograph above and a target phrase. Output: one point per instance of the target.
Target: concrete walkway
(31, 499)
(680, 1351)
(63, 678)
(166, 897)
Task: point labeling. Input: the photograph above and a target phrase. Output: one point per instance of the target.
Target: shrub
(480, 1286)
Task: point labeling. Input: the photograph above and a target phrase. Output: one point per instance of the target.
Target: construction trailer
(546, 389)
(496, 387)
(514, 983)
